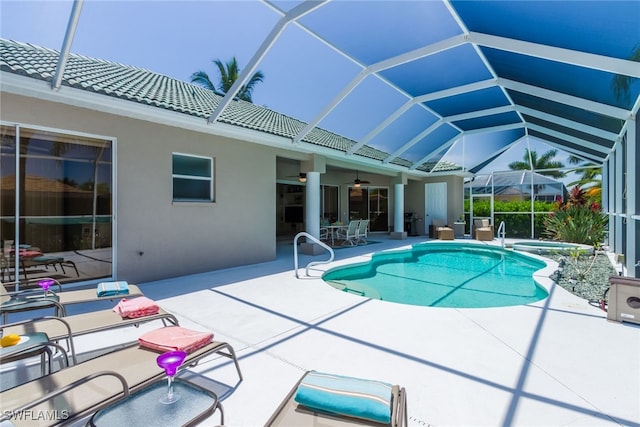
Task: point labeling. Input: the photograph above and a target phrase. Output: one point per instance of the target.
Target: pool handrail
(502, 227)
(312, 263)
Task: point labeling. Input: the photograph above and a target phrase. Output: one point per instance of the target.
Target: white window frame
(210, 178)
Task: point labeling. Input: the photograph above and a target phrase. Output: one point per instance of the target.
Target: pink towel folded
(136, 307)
(171, 338)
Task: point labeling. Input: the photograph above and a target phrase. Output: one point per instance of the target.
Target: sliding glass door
(56, 204)
(329, 204)
(370, 203)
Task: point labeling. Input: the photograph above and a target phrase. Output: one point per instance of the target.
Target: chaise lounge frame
(134, 367)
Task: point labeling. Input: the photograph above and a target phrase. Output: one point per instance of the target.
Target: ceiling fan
(357, 182)
(302, 177)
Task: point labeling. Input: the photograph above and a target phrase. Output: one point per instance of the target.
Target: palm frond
(202, 79)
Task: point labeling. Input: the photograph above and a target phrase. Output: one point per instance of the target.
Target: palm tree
(621, 84)
(589, 178)
(229, 73)
(542, 163)
(532, 162)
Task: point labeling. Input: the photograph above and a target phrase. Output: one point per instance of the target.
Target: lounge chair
(30, 256)
(46, 261)
(66, 328)
(74, 393)
(290, 413)
(64, 298)
(483, 230)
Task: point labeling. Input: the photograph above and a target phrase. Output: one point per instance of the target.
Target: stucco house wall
(156, 238)
(415, 199)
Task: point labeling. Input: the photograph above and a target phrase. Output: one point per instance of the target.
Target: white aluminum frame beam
(498, 152)
(562, 98)
(480, 113)
(571, 150)
(413, 141)
(471, 87)
(569, 138)
(374, 69)
(497, 128)
(600, 133)
(74, 17)
(558, 54)
(632, 159)
(434, 152)
(297, 12)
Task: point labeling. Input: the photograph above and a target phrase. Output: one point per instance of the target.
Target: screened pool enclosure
(415, 90)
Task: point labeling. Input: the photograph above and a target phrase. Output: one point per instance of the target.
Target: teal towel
(109, 289)
(339, 395)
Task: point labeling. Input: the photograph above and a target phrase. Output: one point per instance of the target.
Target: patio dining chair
(349, 235)
(363, 228)
(332, 401)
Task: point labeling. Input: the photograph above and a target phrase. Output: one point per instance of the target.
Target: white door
(435, 203)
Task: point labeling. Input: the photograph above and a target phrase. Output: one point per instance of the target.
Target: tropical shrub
(577, 221)
(517, 224)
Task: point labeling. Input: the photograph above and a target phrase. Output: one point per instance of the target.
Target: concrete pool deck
(557, 362)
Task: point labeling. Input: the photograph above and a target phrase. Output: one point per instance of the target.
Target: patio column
(398, 206)
(312, 214)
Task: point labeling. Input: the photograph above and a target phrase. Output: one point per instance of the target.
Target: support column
(632, 241)
(611, 199)
(619, 207)
(312, 214)
(398, 213)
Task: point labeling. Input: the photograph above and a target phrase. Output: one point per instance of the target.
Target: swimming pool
(540, 248)
(444, 275)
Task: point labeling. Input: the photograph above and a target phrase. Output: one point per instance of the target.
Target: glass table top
(143, 407)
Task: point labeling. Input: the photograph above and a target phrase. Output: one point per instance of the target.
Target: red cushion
(171, 338)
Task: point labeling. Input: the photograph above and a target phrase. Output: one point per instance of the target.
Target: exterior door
(370, 203)
(435, 203)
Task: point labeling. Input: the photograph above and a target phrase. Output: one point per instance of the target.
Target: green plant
(577, 221)
(574, 259)
(516, 215)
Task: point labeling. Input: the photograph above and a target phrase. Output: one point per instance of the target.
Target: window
(192, 178)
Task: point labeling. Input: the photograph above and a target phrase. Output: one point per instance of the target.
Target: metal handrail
(502, 228)
(312, 263)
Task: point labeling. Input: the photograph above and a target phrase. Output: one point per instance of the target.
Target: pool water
(444, 275)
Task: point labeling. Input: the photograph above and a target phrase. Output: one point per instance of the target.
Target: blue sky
(178, 38)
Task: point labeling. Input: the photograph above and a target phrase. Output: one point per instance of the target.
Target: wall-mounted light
(302, 177)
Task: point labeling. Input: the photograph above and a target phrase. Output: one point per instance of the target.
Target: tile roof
(146, 87)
